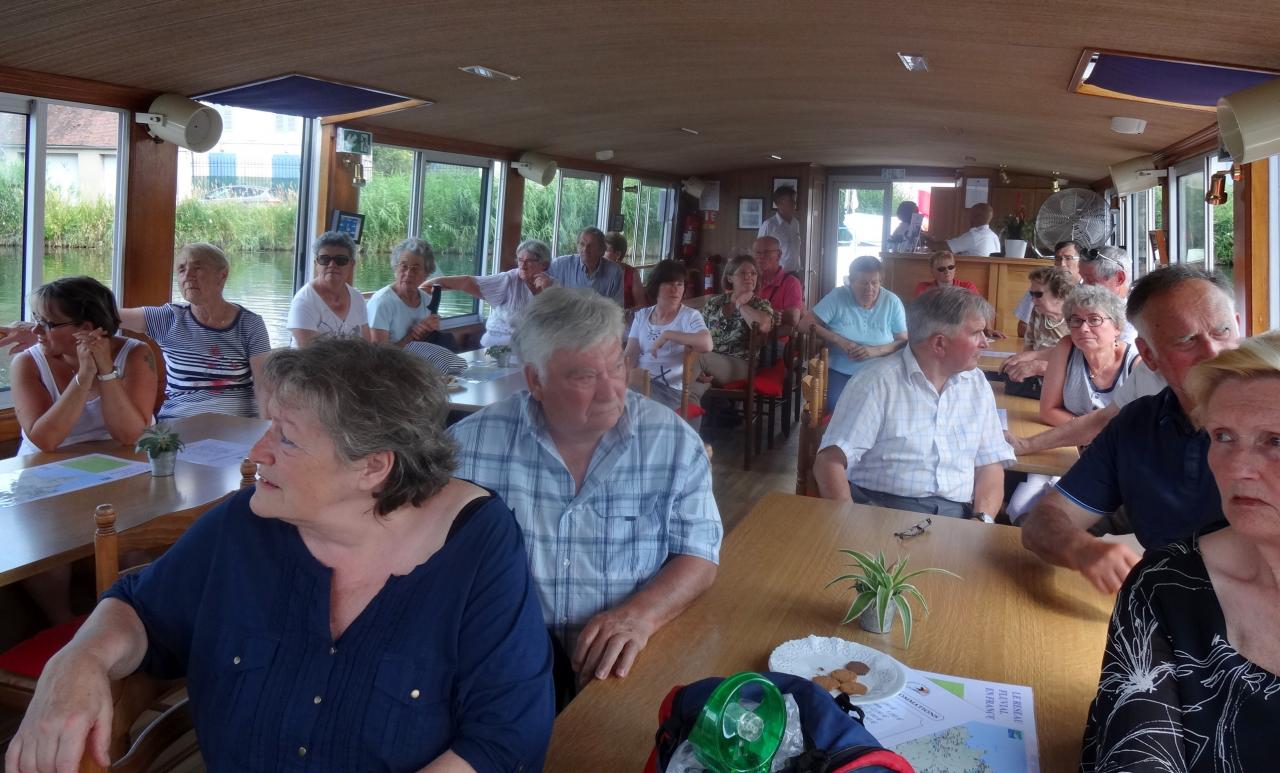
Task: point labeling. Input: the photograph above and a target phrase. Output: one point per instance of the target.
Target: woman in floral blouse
(729, 317)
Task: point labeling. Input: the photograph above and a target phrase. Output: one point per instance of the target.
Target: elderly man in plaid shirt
(612, 490)
(918, 430)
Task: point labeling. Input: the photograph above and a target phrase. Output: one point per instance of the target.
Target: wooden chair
(744, 392)
(812, 423)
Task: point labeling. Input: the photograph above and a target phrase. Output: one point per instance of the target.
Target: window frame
(668, 222)
(1198, 165)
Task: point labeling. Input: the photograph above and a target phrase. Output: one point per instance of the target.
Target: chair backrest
(138, 693)
(813, 390)
(640, 380)
(686, 378)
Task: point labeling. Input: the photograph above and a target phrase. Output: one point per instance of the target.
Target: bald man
(979, 239)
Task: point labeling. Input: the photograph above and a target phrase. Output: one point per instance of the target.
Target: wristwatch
(984, 517)
(112, 376)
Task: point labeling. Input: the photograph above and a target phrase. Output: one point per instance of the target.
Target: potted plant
(882, 590)
(1017, 232)
(162, 445)
(500, 353)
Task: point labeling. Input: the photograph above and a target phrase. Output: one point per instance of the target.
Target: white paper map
(947, 723)
(215, 453)
(50, 480)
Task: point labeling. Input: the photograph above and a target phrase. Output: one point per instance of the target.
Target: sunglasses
(341, 260)
(48, 326)
(1094, 320)
(1036, 293)
(944, 269)
(1092, 255)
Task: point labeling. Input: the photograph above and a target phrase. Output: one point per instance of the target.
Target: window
(1203, 234)
(1141, 224)
(59, 171)
(243, 196)
(647, 214)
(1222, 240)
(558, 212)
(446, 199)
(1189, 216)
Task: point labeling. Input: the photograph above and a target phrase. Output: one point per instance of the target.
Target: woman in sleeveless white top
(81, 382)
(1082, 376)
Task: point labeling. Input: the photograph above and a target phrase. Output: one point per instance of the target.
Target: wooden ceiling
(816, 82)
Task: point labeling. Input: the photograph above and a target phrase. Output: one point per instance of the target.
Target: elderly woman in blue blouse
(359, 607)
(1191, 675)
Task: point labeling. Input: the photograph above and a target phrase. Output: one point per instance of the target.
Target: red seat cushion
(694, 412)
(768, 381)
(27, 657)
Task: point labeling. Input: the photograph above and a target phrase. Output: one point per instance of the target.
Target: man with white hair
(1150, 458)
(612, 490)
(918, 430)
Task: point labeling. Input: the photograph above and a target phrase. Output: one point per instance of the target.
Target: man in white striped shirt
(918, 430)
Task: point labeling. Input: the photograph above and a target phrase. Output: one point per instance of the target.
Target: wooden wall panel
(512, 219)
(1252, 271)
(726, 239)
(149, 220)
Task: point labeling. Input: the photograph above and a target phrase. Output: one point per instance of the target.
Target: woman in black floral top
(1189, 678)
(729, 317)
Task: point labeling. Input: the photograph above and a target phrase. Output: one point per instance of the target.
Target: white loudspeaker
(694, 187)
(536, 167)
(183, 122)
(1249, 122)
(1136, 175)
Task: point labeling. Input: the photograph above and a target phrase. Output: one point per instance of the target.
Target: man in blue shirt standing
(589, 268)
(1150, 458)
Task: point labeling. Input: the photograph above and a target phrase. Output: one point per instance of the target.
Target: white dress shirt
(900, 436)
(976, 241)
(788, 235)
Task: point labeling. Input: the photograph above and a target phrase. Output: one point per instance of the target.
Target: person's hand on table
(996, 334)
(69, 714)
(1023, 366)
(609, 644)
(1106, 564)
(18, 337)
(1020, 445)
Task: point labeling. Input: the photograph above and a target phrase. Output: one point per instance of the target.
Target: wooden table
(1024, 421)
(475, 395)
(1012, 344)
(50, 532)
(1012, 619)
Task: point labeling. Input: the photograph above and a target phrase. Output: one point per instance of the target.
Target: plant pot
(1015, 248)
(871, 623)
(162, 464)
(504, 359)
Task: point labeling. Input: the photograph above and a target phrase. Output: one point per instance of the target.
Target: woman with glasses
(328, 304)
(729, 316)
(404, 314)
(508, 292)
(1083, 377)
(943, 266)
(1049, 290)
(660, 333)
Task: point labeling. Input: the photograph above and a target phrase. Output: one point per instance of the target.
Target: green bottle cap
(736, 735)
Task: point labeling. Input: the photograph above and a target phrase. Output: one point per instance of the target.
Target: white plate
(818, 655)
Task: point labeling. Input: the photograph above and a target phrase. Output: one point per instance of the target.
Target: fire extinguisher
(689, 235)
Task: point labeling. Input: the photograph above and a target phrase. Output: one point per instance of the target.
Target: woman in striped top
(212, 348)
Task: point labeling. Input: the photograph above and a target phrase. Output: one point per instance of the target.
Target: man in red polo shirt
(780, 289)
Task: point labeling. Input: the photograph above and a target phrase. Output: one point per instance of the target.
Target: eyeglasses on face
(48, 326)
(945, 269)
(1036, 293)
(341, 260)
(1094, 320)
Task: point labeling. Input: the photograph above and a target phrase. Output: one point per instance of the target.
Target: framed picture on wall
(750, 214)
(349, 223)
(791, 182)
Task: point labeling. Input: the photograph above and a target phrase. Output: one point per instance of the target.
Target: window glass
(1141, 210)
(243, 196)
(13, 199)
(539, 212)
(1191, 219)
(80, 192)
(453, 216)
(579, 208)
(384, 202)
(1222, 239)
(647, 213)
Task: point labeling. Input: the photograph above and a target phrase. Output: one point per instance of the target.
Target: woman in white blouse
(508, 292)
(660, 333)
(328, 304)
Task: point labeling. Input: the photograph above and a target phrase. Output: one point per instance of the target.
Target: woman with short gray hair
(1082, 376)
(357, 569)
(508, 292)
(328, 304)
(402, 313)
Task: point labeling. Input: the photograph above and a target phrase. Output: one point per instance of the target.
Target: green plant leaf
(854, 577)
(904, 611)
(874, 569)
(919, 572)
(919, 596)
(883, 597)
(859, 604)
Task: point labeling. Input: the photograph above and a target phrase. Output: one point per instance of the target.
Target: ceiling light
(604, 155)
(914, 62)
(775, 156)
(1122, 125)
(489, 72)
(971, 159)
(687, 130)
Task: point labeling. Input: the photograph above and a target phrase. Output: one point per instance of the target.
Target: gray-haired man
(612, 491)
